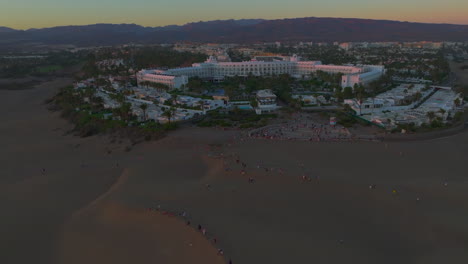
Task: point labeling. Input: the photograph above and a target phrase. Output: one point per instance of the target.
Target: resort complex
(415, 104)
(213, 70)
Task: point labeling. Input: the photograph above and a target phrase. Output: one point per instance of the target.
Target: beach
(67, 199)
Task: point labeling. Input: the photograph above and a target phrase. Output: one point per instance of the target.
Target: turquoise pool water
(245, 107)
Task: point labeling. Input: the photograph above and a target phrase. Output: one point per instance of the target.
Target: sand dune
(78, 211)
(105, 231)
(279, 219)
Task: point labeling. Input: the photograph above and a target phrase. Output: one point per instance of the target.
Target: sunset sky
(24, 14)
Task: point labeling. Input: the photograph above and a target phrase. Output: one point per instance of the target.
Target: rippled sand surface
(89, 206)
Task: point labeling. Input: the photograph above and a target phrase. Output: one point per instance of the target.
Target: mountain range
(241, 31)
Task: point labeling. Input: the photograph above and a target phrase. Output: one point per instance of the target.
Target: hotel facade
(213, 70)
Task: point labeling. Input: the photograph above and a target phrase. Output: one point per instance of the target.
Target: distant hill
(242, 31)
(5, 29)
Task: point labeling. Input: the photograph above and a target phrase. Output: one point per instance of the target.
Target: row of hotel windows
(158, 80)
(243, 71)
(208, 72)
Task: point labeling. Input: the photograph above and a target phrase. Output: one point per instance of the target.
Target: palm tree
(254, 103)
(143, 108)
(169, 113)
(430, 115)
(124, 111)
(145, 83)
(360, 97)
(442, 112)
(120, 98)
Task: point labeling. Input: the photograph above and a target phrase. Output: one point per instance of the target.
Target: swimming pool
(245, 107)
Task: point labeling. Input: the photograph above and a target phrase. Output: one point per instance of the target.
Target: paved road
(322, 108)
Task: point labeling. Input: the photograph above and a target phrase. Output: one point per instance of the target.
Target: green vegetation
(236, 118)
(243, 88)
(49, 64)
(138, 58)
(345, 119)
(90, 117)
(197, 85)
(153, 57)
(48, 69)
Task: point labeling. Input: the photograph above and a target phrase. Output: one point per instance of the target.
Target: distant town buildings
(109, 64)
(346, 45)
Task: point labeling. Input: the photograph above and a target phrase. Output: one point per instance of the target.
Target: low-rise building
(393, 107)
(266, 100)
(172, 81)
(403, 97)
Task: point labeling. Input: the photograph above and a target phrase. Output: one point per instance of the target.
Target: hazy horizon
(26, 14)
(225, 19)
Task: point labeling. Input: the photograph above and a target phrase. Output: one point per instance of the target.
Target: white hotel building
(214, 70)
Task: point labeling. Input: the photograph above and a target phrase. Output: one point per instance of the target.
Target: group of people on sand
(184, 215)
(242, 166)
(304, 178)
(303, 128)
